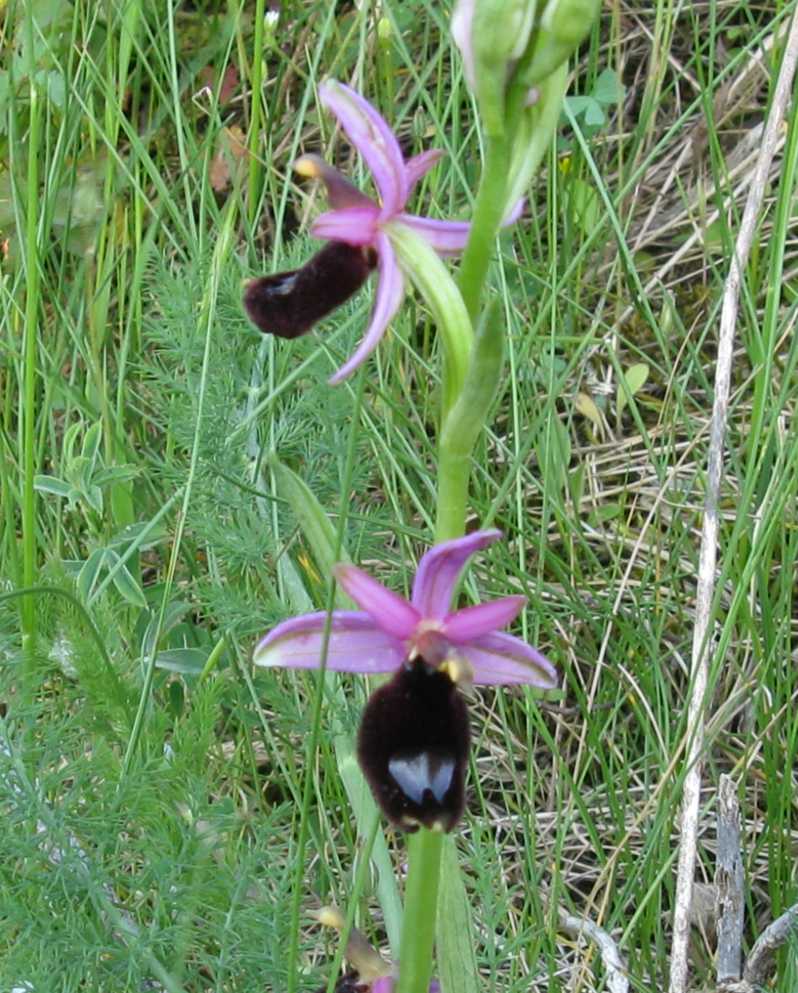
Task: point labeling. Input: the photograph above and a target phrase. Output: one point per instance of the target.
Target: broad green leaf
(124, 582)
(365, 812)
(633, 381)
(586, 406)
(584, 204)
(50, 484)
(314, 523)
(173, 615)
(608, 88)
(594, 114)
(457, 962)
(91, 442)
(143, 535)
(90, 570)
(299, 601)
(185, 661)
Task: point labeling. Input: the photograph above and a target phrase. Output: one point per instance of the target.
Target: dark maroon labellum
(348, 983)
(288, 304)
(413, 748)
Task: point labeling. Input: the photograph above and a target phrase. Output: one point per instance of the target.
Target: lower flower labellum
(348, 983)
(288, 304)
(413, 747)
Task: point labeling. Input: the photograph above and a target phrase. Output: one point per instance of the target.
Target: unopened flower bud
(536, 128)
(563, 25)
(492, 35)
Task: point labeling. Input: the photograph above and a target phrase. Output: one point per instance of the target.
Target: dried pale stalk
(577, 927)
(709, 534)
(729, 883)
(760, 961)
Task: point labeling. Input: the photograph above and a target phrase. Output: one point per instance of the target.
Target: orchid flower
(388, 630)
(414, 736)
(371, 225)
(371, 973)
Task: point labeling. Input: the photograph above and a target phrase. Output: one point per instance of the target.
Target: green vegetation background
(150, 782)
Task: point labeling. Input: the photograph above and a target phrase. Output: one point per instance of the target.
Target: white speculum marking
(418, 773)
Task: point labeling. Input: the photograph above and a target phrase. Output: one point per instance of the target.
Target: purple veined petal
(389, 611)
(419, 165)
(501, 658)
(340, 192)
(390, 289)
(355, 644)
(373, 139)
(440, 568)
(481, 619)
(446, 237)
(353, 225)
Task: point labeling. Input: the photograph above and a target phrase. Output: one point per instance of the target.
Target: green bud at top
(500, 31)
(536, 127)
(492, 35)
(384, 29)
(570, 20)
(563, 25)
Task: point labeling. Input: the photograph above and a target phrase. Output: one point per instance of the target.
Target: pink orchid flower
(370, 973)
(361, 222)
(389, 630)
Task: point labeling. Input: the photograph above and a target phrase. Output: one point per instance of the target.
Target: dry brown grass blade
(709, 534)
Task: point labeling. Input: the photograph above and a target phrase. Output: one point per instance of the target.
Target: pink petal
(353, 225)
(501, 658)
(340, 192)
(390, 290)
(450, 237)
(439, 571)
(373, 139)
(355, 644)
(483, 618)
(446, 237)
(389, 611)
(514, 213)
(419, 165)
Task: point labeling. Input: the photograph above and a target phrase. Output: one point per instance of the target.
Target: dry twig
(708, 552)
(729, 883)
(772, 938)
(576, 927)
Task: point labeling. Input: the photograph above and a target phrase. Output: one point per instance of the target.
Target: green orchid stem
(454, 471)
(489, 210)
(421, 903)
(471, 384)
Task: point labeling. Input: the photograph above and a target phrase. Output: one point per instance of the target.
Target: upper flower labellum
(388, 630)
(360, 221)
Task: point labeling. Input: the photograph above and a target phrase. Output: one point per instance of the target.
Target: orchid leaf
(315, 525)
(365, 811)
(457, 964)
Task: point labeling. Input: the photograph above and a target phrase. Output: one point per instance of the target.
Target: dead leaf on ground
(231, 150)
